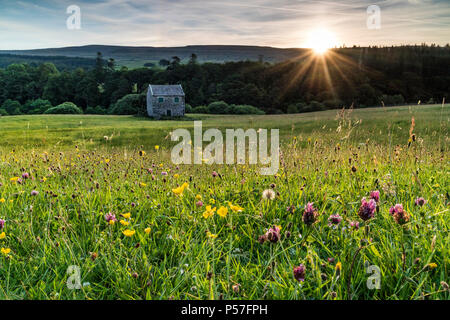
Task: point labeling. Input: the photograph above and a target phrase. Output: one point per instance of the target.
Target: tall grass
(80, 176)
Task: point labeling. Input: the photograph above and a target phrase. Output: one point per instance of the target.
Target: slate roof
(166, 90)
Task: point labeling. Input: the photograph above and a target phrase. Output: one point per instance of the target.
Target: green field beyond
(98, 197)
(380, 125)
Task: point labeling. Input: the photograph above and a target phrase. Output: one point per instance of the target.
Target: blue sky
(30, 24)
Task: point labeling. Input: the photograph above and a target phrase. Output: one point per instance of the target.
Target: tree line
(362, 77)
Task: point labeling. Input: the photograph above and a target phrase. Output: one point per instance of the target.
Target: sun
(321, 40)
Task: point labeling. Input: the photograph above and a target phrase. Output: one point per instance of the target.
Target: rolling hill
(138, 56)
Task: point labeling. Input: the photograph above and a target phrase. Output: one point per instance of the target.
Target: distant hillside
(138, 56)
(59, 61)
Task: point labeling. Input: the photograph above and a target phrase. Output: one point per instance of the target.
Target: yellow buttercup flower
(142, 184)
(107, 160)
(124, 223)
(156, 147)
(2, 200)
(111, 222)
(5, 251)
(2, 236)
(432, 265)
(338, 266)
(126, 215)
(235, 208)
(176, 175)
(147, 230)
(179, 191)
(223, 211)
(129, 233)
(198, 197)
(14, 179)
(211, 235)
(209, 212)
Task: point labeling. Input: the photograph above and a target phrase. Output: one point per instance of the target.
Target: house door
(169, 113)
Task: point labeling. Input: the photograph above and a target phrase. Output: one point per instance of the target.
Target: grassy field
(379, 125)
(63, 178)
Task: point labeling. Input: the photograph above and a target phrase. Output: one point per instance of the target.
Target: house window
(177, 99)
(169, 113)
(160, 99)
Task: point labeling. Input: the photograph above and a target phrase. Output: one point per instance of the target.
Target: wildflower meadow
(92, 207)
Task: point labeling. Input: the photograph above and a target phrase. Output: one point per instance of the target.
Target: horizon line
(343, 46)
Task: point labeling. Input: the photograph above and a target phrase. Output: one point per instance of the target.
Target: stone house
(165, 100)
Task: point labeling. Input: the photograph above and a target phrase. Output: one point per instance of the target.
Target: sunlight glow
(321, 40)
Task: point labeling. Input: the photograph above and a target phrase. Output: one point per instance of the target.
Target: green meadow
(100, 193)
(380, 125)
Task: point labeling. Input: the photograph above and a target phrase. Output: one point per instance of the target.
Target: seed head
(268, 194)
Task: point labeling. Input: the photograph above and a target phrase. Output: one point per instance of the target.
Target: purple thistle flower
(375, 195)
(420, 202)
(300, 273)
(399, 214)
(2, 224)
(25, 175)
(310, 214)
(110, 217)
(164, 173)
(367, 209)
(273, 234)
(398, 207)
(199, 203)
(334, 219)
(34, 193)
(214, 174)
